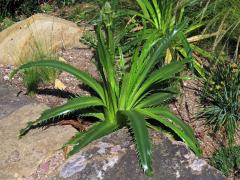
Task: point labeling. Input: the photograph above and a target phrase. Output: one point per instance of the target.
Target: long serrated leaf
(72, 105)
(164, 73)
(157, 99)
(97, 115)
(143, 145)
(171, 122)
(149, 64)
(84, 77)
(97, 131)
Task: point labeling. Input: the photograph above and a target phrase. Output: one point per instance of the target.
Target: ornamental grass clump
(221, 96)
(227, 160)
(127, 99)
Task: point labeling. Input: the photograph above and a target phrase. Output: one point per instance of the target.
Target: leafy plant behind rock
(127, 99)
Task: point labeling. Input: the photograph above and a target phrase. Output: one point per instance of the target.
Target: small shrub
(34, 76)
(161, 17)
(227, 160)
(221, 96)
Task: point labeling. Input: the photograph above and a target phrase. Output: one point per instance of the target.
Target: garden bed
(187, 105)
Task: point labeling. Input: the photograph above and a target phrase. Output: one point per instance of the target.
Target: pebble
(6, 78)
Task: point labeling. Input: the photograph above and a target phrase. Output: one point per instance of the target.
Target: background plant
(221, 94)
(13, 8)
(128, 99)
(5, 23)
(161, 17)
(223, 16)
(227, 160)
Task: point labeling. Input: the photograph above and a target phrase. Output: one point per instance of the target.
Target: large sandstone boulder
(37, 33)
(21, 158)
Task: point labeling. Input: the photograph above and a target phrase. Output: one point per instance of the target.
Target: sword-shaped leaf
(141, 137)
(72, 105)
(83, 76)
(171, 121)
(97, 131)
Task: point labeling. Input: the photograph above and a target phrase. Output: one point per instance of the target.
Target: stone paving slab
(10, 100)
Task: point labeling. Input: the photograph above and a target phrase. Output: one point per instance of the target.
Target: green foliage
(66, 2)
(14, 8)
(47, 8)
(5, 23)
(227, 160)
(123, 99)
(223, 16)
(221, 94)
(32, 77)
(161, 17)
(89, 38)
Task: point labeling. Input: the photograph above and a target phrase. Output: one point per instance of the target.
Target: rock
(37, 152)
(114, 157)
(38, 33)
(10, 100)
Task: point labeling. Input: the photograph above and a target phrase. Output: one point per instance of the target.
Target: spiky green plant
(129, 99)
(159, 17)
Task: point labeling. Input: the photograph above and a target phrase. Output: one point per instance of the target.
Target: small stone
(59, 85)
(62, 59)
(6, 78)
(16, 175)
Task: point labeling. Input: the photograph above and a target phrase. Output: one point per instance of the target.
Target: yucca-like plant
(159, 17)
(127, 99)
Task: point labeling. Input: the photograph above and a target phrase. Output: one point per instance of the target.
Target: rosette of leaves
(159, 17)
(221, 97)
(129, 99)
